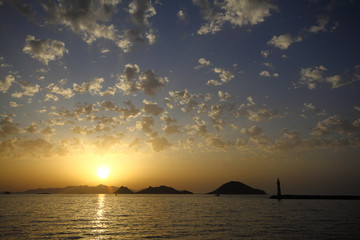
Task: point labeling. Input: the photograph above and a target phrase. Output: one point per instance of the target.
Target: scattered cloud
(283, 41)
(6, 84)
(235, 13)
(44, 50)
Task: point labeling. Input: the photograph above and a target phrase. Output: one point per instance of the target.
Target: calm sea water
(175, 216)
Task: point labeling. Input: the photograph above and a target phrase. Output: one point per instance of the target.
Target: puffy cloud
(60, 90)
(7, 127)
(283, 41)
(265, 53)
(198, 128)
(131, 81)
(140, 11)
(181, 14)
(184, 99)
(109, 106)
(146, 125)
(32, 128)
(93, 86)
(268, 74)
(313, 76)
(44, 50)
(6, 84)
(131, 112)
(202, 63)
(256, 135)
(167, 127)
(262, 115)
(216, 110)
(336, 124)
(289, 140)
(151, 108)
(159, 144)
(14, 104)
(236, 13)
(241, 142)
(225, 77)
(224, 96)
(150, 83)
(217, 143)
(323, 20)
(28, 90)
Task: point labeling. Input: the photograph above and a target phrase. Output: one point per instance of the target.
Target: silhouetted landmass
(100, 189)
(162, 190)
(234, 187)
(334, 197)
(123, 190)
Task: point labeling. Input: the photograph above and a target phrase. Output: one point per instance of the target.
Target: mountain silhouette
(162, 190)
(123, 190)
(234, 187)
(100, 189)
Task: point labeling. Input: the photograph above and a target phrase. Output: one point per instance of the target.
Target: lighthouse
(278, 190)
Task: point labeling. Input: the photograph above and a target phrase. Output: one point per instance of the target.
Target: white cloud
(44, 50)
(236, 13)
(225, 77)
(146, 124)
(28, 90)
(283, 41)
(6, 84)
(224, 96)
(181, 14)
(323, 20)
(202, 63)
(268, 74)
(265, 53)
(93, 86)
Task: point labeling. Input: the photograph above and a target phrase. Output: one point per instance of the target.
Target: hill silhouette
(123, 190)
(162, 190)
(234, 187)
(100, 189)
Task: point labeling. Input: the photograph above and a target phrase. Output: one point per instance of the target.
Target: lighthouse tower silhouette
(278, 190)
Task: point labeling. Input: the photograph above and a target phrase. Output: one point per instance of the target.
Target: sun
(103, 172)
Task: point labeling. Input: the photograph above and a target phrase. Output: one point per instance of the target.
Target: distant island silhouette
(103, 189)
(162, 190)
(234, 187)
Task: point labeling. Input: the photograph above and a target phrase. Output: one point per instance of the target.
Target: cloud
(44, 50)
(151, 108)
(60, 90)
(140, 11)
(323, 20)
(262, 115)
(93, 86)
(131, 112)
(265, 53)
(182, 15)
(283, 41)
(32, 128)
(146, 124)
(313, 76)
(6, 84)
(224, 96)
(268, 74)
(336, 124)
(256, 135)
(225, 77)
(148, 82)
(28, 90)
(14, 104)
(159, 144)
(289, 140)
(202, 63)
(184, 99)
(236, 13)
(7, 127)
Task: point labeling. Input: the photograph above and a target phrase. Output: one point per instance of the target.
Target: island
(123, 190)
(162, 190)
(235, 187)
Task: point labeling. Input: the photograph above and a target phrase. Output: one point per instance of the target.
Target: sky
(189, 94)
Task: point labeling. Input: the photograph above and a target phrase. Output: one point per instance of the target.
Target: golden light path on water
(100, 223)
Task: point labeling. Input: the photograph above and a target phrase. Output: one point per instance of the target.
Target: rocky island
(162, 190)
(235, 187)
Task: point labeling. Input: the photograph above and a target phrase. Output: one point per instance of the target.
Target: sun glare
(103, 172)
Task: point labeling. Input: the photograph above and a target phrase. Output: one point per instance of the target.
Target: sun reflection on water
(100, 221)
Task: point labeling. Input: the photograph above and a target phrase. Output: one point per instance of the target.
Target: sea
(197, 216)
